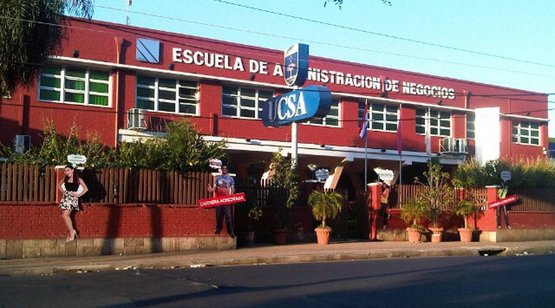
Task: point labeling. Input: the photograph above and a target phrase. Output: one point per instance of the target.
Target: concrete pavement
(272, 254)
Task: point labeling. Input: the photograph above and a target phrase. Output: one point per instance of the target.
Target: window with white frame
(470, 126)
(74, 86)
(383, 117)
(167, 95)
(331, 119)
(526, 133)
(440, 122)
(244, 102)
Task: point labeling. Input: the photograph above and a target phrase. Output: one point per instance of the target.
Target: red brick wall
(106, 221)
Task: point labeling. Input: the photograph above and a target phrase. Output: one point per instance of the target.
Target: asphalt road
(519, 281)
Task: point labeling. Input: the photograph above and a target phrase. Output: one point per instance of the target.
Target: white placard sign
(215, 163)
(322, 174)
(385, 175)
(77, 159)
(506, 175)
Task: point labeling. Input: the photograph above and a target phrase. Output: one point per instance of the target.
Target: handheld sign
(502, 202)
(222, 200)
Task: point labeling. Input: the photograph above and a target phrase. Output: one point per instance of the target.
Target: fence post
(488, 220)
(375, 191)
(59, 177)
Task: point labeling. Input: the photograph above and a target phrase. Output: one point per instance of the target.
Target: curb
(52, 267)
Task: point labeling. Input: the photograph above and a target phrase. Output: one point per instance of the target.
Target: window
(526, 133)
(470, 126)
(167, 95)
(440, 122)
(381, 117)
(331, 119)
(244, 102)
(74, 86)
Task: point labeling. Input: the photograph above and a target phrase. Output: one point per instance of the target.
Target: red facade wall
(115, 44)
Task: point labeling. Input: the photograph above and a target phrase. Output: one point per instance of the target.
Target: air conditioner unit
(136, 119)
(22, 143)
(453, 146)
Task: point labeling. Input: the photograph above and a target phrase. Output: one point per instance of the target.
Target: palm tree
(31, 31)
(325, 205)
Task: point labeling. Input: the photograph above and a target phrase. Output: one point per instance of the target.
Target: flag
(400, 134)
(364, 127)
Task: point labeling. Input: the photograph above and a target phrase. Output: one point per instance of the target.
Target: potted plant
(436, 193)
(411, 213)
(433, 214)
(324, 205)
(254, 214)
(466, 208)
(284, 192)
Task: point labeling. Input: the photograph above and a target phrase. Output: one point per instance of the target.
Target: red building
(124, 82)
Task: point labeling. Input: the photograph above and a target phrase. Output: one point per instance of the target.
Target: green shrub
(182, 149)
(524, 173)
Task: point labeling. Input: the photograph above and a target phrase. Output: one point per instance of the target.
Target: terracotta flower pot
(280, 236)
(323, 235)
(437, 234)
(466, 234)
(413, 235)
(247, 238)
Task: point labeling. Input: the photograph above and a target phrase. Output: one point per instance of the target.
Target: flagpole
(365, 147)
(400, 152)
(366, 163)
(400, 144)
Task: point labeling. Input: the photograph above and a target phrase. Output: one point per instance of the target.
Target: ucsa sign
(298, 105)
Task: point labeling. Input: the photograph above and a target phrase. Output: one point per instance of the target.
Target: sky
(498, 42)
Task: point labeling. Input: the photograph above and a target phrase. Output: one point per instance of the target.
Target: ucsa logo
(298, 105)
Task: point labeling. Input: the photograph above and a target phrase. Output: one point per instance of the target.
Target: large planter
(280, 236)
(323, 235)
(413, 235)
(247, 238)
(437, 234)
(466, 234)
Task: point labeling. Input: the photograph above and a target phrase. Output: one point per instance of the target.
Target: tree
(31, 31)
(325, 205)
(285, 181)
(185, 150)
(436, 192)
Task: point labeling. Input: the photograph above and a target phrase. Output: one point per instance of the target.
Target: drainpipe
(119, 43)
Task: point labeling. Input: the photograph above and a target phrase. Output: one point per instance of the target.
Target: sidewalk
(272, 254)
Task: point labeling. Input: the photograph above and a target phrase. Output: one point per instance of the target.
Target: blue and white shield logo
(295, 60)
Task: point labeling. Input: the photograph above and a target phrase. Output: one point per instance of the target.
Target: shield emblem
(295, 61)
(291, 63)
